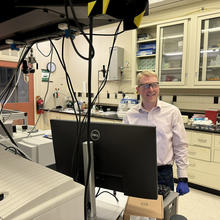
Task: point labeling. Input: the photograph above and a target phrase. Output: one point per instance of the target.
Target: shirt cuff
(181, 173)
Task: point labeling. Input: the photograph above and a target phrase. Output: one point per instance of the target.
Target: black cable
(69, 84)
(98, 192)
(120, 214)
(81, 29)
(12, 140)
(71, 40)
(105, 79)
(45, 95)
(76, 151)
(107, 71)
(108, 193)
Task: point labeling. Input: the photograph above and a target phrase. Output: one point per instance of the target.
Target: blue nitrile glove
(182, 186)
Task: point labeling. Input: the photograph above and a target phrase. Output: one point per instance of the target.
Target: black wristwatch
(183, 179)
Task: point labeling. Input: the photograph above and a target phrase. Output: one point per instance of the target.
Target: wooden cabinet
(204, 159)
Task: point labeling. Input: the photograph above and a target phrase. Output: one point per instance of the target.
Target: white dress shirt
(170, 131)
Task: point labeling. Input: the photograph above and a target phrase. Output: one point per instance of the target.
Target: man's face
(148, 89)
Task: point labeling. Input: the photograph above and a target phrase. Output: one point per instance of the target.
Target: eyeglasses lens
(152, 85)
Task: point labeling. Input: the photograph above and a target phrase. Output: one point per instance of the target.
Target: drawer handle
(193, 153)
(202, 140)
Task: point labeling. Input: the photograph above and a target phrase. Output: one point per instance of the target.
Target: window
(20, 94)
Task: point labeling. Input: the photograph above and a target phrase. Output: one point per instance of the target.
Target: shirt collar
(158, 106)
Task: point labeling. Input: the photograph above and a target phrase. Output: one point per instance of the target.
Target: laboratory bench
(203, 151)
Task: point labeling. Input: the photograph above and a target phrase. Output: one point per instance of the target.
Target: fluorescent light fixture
(172, 37)
(209, 51)
(173, 54)
(211, 30)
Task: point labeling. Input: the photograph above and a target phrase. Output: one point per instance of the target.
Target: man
(171, 136)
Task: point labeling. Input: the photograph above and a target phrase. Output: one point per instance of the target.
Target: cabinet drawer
(201, 139)
(204, 179)
(199, 153)
(217, 141)
(217, 156)
(204, 166)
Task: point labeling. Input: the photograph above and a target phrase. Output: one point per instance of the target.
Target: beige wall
(78, 68)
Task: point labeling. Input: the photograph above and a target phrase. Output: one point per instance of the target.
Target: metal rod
(91, 183)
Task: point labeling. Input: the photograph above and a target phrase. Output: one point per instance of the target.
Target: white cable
(14, 87)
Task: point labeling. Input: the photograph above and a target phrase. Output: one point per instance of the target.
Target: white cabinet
(171, 51)
(208, 50)
(146, 48)
(162, 48)
(187, 51)
(204, 159)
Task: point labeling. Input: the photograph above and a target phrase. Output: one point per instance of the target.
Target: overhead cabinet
(183, 52)
(146, 49)
(171, 52)
(208, 50)
(162, 49)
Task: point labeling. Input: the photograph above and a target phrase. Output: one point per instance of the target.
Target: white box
(117, 63)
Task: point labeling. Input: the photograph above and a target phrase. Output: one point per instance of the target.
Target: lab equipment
(11, 115)
(125, 104)
(39, 149)
(34, 192)
(117, 63)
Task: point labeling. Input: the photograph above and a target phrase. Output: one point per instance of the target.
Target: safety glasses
(148, 85)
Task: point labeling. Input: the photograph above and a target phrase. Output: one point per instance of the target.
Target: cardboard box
(144, 207)
(157, 209)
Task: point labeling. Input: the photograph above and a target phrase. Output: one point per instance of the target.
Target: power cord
(112, 194)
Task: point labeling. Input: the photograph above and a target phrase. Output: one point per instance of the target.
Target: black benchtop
(115, 117)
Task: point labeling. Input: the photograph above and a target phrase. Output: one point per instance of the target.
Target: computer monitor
(125, 157)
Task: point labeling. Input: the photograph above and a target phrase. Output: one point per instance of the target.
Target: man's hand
(182, 186)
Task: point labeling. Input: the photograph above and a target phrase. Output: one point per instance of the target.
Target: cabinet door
(208, 50)
(146, 48)
(171, 48)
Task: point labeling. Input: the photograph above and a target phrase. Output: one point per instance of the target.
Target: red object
(39, 104)
(212, 115)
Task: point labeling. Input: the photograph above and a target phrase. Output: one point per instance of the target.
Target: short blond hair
(145, 73)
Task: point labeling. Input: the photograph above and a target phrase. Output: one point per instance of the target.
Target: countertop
(115, 117)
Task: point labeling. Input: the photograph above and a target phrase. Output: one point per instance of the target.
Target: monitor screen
(125, 157)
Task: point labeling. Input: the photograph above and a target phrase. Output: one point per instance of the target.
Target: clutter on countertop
(125, 104)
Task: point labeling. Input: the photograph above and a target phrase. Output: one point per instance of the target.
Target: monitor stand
(104, 210)
(91, 211)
